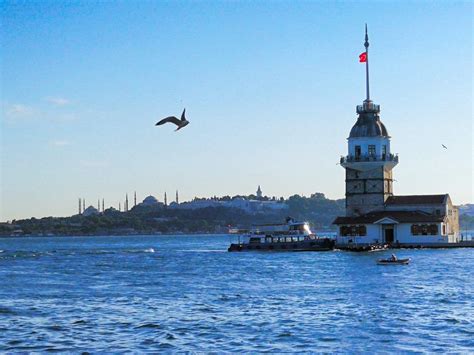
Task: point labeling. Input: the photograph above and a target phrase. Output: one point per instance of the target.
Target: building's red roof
(417, 200)
(399, 216)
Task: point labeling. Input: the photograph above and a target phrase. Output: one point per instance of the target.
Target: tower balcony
(368, 107)
(368, 162)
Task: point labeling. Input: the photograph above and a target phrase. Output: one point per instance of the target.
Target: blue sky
(270, 89)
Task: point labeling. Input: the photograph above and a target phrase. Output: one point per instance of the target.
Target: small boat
(391, 261)
(290, 236)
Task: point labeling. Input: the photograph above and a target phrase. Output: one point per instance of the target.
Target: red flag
(363, 57)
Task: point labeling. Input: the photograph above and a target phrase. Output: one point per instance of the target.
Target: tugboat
(290, 236)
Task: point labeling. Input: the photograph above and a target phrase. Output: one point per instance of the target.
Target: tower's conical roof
(368, 125)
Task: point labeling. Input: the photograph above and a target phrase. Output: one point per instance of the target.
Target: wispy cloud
(18, 111)
(59, 143)
(58, 101)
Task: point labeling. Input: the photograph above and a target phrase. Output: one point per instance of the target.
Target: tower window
(371, 150)
(384, 151)
(357, 151)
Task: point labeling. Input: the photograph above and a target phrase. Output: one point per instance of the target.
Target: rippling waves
(186, 293)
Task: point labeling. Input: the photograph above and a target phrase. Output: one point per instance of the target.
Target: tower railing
(368, 107)
(367, 158)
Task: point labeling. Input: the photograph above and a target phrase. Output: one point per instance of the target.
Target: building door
(357, 152)
(389, 235)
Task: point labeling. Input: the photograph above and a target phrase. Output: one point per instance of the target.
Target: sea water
(187, 293)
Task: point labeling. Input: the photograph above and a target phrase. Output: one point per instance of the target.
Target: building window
(444, 229)
(357, 151)
(353, 231)
(424, 229)
(371, 150)
(384, 152)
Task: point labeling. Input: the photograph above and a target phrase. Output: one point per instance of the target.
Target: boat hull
(306, 245)
(393, 262)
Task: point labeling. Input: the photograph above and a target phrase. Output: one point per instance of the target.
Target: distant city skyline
(84, 204)
(270, 90)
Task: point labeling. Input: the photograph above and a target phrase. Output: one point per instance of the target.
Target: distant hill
(467, 209)
(214, 217)
(201, 215)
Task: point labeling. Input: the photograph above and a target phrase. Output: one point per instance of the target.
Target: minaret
(125, 207)
(98, 205)
(166, 200)
(120, 207)
(135, 199)
(103, 209)
(369, 162)
(177, 197)
(83, 205)
(80, 212)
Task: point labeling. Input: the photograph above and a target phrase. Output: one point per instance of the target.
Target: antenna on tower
(366, 45)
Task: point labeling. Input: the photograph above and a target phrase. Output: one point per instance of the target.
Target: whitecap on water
(149, 250)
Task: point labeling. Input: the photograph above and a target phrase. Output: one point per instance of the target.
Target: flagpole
(366, 44)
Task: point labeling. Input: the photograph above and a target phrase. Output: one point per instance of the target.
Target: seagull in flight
(444, 146)
(172, 119)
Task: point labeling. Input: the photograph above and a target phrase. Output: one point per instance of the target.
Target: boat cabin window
(300, 227)
(254, 240)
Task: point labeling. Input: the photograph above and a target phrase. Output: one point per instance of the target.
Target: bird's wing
(444, 146)
(183, 118)
(170, 119)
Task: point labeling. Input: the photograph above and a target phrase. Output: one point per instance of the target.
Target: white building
(373, 213)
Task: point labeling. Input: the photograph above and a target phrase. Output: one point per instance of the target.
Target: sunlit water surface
(187, 293)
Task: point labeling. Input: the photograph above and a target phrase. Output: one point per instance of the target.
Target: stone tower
(369, 162)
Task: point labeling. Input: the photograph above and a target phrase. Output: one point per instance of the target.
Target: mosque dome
(89, 211)
(150, 200)
(368, 125)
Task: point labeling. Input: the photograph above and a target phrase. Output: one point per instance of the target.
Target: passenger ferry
(290, 236)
